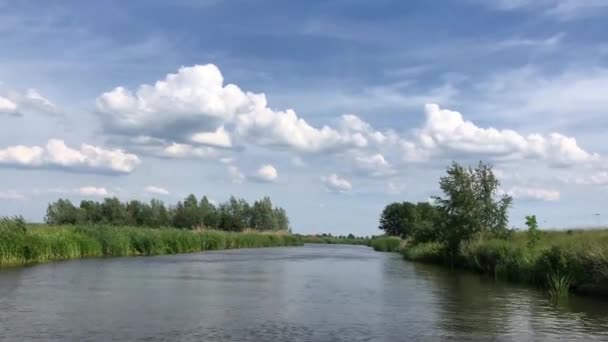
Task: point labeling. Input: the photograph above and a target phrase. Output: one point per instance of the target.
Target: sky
(332, 108)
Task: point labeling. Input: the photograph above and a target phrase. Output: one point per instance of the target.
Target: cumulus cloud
(15, 103)
(193, 98)
(176, 150)
(597, 178)
(156, 190)
(194, 106)
(7, 106)
(336, 183)
(374, 165)
(533, 193)
(56, 154)
(446, 131)
(219, 138)
(267, 173)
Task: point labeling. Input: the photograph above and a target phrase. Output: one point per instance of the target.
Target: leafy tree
(209, 213)
(471, 205)
(262, 215)
(160, 216)
(234, 215)
(91, 212)
(399, 219)
(114, 211)
(426, 228)
(282, 220)
(62, 212)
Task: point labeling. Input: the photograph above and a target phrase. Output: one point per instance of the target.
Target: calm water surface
(311, 293)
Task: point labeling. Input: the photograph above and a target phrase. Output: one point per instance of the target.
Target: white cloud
(156, 190)
(87, 158)
(16, 103)
(195, 106)
(235, 174)
(176, 150)
(374, 165)
(533, 193)
(446, 131)
(549, 42)
(267, 173)
(11, 195)
(597, 178)
(193, 98)
(219, 138)
(7, 106)
(336, 183)
(93, 191)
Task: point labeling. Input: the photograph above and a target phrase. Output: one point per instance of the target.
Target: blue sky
(331, 108)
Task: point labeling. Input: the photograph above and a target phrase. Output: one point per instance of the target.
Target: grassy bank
(22, 245)
(378, 243)
(560, 261)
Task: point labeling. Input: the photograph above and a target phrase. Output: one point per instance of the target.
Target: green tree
(62, 212)
(209, 214)
(282, 219)
(471, 205)
(399, 219)
(160, 216)
(426, 228)
(263, 216)
(114, 211)
(91, 212)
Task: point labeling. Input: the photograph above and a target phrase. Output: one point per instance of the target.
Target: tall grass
(560, 261)
(386, 244)
(21, 246)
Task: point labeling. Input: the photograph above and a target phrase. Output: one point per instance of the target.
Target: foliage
(533, 232)
(44, 244)
(407, 219)
(470, 207)
(233, 215)
(350, 239)
(386, 244)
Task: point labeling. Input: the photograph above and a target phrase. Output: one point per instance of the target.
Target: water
(311, 293)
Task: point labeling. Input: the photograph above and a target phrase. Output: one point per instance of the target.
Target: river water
(310, 293)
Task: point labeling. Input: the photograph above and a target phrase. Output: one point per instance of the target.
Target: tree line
(232, 215)
(471, 206)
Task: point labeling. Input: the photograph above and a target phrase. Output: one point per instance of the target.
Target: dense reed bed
(561, 261)
(21, 244)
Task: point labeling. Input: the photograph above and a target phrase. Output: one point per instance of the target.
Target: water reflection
(312, 293)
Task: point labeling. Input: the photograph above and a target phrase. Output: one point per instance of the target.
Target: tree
(62, 212)
(426, 228)
(187, 214)
(114, 211)
(262, 215)
(281, 218)
(91, 212)
(159, 214)
(471, 205)
(399, 219)
(234, 215)
(209, 213)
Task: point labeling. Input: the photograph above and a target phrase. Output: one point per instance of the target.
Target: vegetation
(233, 215)
(467, 228)
(21, 245)
(349, 239)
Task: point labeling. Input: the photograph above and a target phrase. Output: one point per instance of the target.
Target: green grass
(561, 261)
(386, 244)
(335, 240)
(22, 245)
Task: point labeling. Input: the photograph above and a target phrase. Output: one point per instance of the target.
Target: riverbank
(561, 262)
(23, 245)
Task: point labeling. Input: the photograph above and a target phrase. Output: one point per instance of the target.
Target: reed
(22, 245)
